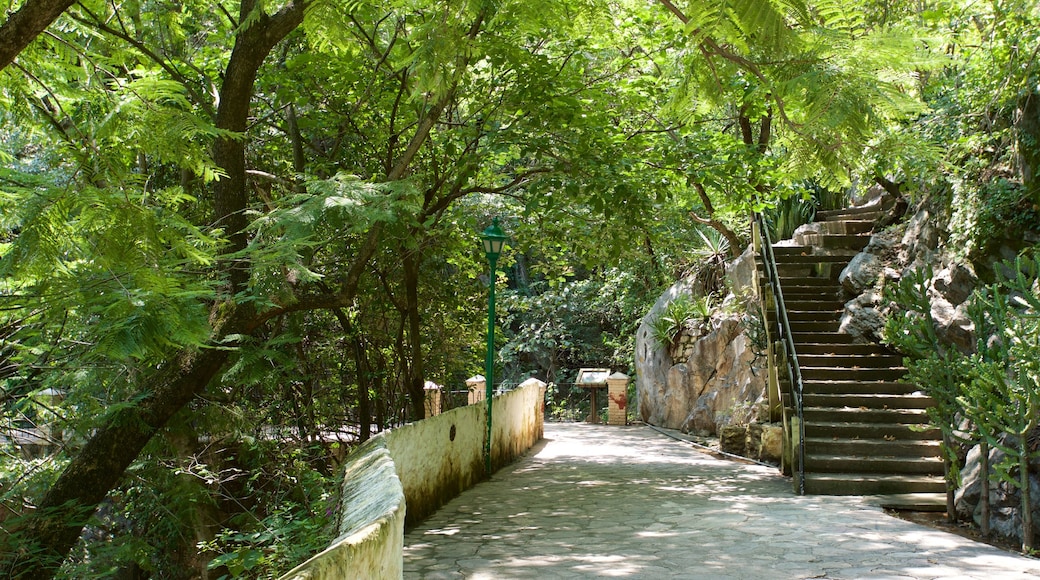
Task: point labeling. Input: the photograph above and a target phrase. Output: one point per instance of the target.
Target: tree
(55, 525)
(271, 212)
(804, 89)
(194, 288)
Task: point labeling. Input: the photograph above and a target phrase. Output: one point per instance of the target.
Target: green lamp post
(493, 240)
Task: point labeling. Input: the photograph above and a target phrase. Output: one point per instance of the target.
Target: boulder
(952, 324)
(754, 440)
(722, 372)
(872, 195)
(862, 272)
(702, 418)
(740, 273)
(864, 317)
(733, 439)
(1005, 499)
(772, 446)
(920, 240)
(653, 361)
(949, 290)
(866, 268)
(955, 283)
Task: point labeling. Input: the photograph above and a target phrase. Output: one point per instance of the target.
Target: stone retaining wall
(401, 476)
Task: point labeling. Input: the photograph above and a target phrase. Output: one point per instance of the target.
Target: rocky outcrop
(891, 253)
(716, 378)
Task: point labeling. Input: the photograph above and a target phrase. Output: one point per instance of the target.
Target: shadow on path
(628, 502)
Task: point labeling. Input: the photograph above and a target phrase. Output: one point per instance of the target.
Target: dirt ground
(939, 521)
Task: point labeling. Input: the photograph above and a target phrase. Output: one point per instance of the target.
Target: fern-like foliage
(830, 80)
(287, 238)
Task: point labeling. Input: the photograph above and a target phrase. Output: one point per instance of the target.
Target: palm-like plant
(710, 266)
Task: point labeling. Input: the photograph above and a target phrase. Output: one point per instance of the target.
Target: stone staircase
(865, 429)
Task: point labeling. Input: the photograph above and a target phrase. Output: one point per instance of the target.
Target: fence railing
(564, 402)
(787, 343)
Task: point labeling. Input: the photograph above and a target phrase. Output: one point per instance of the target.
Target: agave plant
(681, 313)
(710, 268)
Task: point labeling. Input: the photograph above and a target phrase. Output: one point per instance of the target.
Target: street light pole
(492, 239)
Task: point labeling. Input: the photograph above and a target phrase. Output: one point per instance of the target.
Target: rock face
(718, 378)
(949, 292)
(891, 253)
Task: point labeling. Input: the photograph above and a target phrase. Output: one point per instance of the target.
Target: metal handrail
(787, 339)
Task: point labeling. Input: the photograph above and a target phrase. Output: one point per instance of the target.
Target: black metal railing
(787, 341)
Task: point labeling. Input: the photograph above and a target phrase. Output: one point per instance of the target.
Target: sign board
(592, 377)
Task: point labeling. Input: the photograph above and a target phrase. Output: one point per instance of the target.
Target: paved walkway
(629, 502)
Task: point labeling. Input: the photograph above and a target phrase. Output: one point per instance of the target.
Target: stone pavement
(628, 502)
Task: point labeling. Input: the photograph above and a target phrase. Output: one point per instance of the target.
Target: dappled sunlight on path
(628, 502)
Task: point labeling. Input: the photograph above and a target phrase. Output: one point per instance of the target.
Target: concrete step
(819, 373)
(863, 212)
(818, 463)
(810, 305)
(827, 294)
(827, 291)
(845, 349)
(872, 484)
(808, 316)
(814, 326)
(838, 241)
(806, 282)
(810, 259)
(915, 502)
(854, 429)
(849, 361)
(866, 400)
(875, 447)
(791, 250)
(859, 387)
(827, 271)
(809, 337)
(864, 415)
(848, 226)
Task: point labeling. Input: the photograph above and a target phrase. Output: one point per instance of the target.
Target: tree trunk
(299, 158)
(735, 248)
(363, 376)
(984, 486)
(55, 526)
(364, 405)
(203, 518)
(951, 509)
(22, 27)
(1027, 504)
(230, 200)
(416, 370)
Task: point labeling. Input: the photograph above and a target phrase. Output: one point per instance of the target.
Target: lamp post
(493, 239)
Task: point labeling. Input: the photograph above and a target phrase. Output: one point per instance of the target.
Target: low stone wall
(421, 465)
(372, 523)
